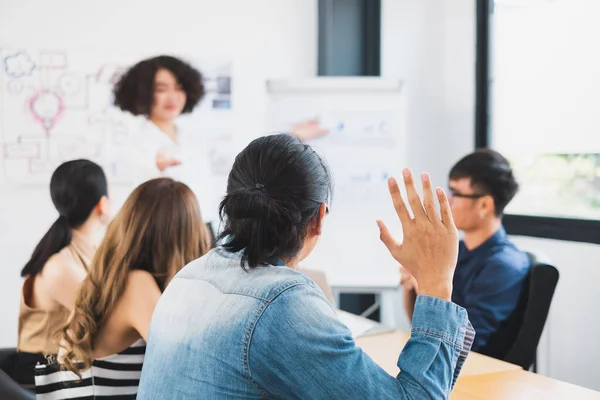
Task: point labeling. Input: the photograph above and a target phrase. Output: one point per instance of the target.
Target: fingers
(413, 197)
(447, 219)
(399, 205)
(386, 237)
(428, 201)
(322, 132)
(404, 272)
(316, 129)
(405, 276)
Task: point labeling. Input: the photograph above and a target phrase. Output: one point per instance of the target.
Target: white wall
(430, 44)
(569, 350)
(265, 38)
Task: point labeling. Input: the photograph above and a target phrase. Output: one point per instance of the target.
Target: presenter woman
(161, 89)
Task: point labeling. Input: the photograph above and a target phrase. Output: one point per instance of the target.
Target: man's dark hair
(490, 173)
(134, 92)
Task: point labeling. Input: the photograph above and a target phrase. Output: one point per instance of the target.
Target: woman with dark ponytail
(242, 323)
(60, 261)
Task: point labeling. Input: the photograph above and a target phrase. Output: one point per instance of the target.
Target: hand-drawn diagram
(18, 65)
(56, 106)
(46, 107)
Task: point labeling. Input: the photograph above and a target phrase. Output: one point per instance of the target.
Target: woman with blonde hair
(157, 232)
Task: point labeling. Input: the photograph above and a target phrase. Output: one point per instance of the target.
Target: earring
(482, 215)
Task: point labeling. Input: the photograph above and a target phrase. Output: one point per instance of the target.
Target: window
(544, 103)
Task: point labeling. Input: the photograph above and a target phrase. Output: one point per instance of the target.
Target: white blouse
(194, 170)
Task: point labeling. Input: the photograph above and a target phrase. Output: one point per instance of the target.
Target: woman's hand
(429, 250)
(163, 161)
(308, 130)
(407, 281)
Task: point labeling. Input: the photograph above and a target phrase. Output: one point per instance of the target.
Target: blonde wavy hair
(159, 229)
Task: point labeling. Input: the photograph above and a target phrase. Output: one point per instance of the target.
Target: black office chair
(11, 390)
(7, 359)
(543, 279)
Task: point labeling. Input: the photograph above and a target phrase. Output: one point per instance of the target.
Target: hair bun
(256, 203)
(274, 191)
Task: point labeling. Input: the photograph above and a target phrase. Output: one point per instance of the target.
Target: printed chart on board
(56, 105)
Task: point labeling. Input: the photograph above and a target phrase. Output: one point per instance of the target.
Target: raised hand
(429, 249)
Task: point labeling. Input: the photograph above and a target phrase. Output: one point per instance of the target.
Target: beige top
(38, 326)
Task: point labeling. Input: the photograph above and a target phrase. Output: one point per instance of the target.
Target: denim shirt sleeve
(299, 349)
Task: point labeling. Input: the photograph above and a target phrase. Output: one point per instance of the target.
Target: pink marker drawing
(46, 107)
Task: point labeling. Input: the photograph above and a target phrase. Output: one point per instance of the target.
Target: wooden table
(518, 385)
(384, 349)
(482, 377)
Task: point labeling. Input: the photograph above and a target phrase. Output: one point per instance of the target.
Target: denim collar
(274, 261)
(277, 262)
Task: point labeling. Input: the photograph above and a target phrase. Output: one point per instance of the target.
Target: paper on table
(357, 325)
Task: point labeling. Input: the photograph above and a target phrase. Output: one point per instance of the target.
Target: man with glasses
(491, 272)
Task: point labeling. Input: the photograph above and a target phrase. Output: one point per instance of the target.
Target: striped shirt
(115, 377)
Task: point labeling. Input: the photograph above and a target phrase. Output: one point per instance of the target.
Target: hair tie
(259, 185)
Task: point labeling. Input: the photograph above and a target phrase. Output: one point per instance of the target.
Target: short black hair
(134, 91)
(275, 189)
(490, 173)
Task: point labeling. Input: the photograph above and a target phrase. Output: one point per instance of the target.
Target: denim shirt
(221, 332)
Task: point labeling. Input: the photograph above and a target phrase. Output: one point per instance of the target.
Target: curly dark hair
(134, 91)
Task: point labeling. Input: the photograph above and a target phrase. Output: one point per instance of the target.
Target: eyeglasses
(454, 193)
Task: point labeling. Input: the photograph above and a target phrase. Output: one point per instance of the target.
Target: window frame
(566, 229)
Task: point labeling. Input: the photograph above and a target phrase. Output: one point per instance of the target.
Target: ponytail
(261, 227)
(58, 237)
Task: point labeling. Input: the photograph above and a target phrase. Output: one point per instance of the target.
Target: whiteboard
(366, 144)
(56, 105)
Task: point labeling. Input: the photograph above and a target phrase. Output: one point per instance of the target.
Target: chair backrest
(11, 390)
(7, 359)
(543, 279)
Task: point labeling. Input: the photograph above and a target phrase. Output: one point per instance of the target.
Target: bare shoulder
(141, 277)
(140, 281)
(59, 266)
(54, 266)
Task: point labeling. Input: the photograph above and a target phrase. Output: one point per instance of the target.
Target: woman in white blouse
(161, 89)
